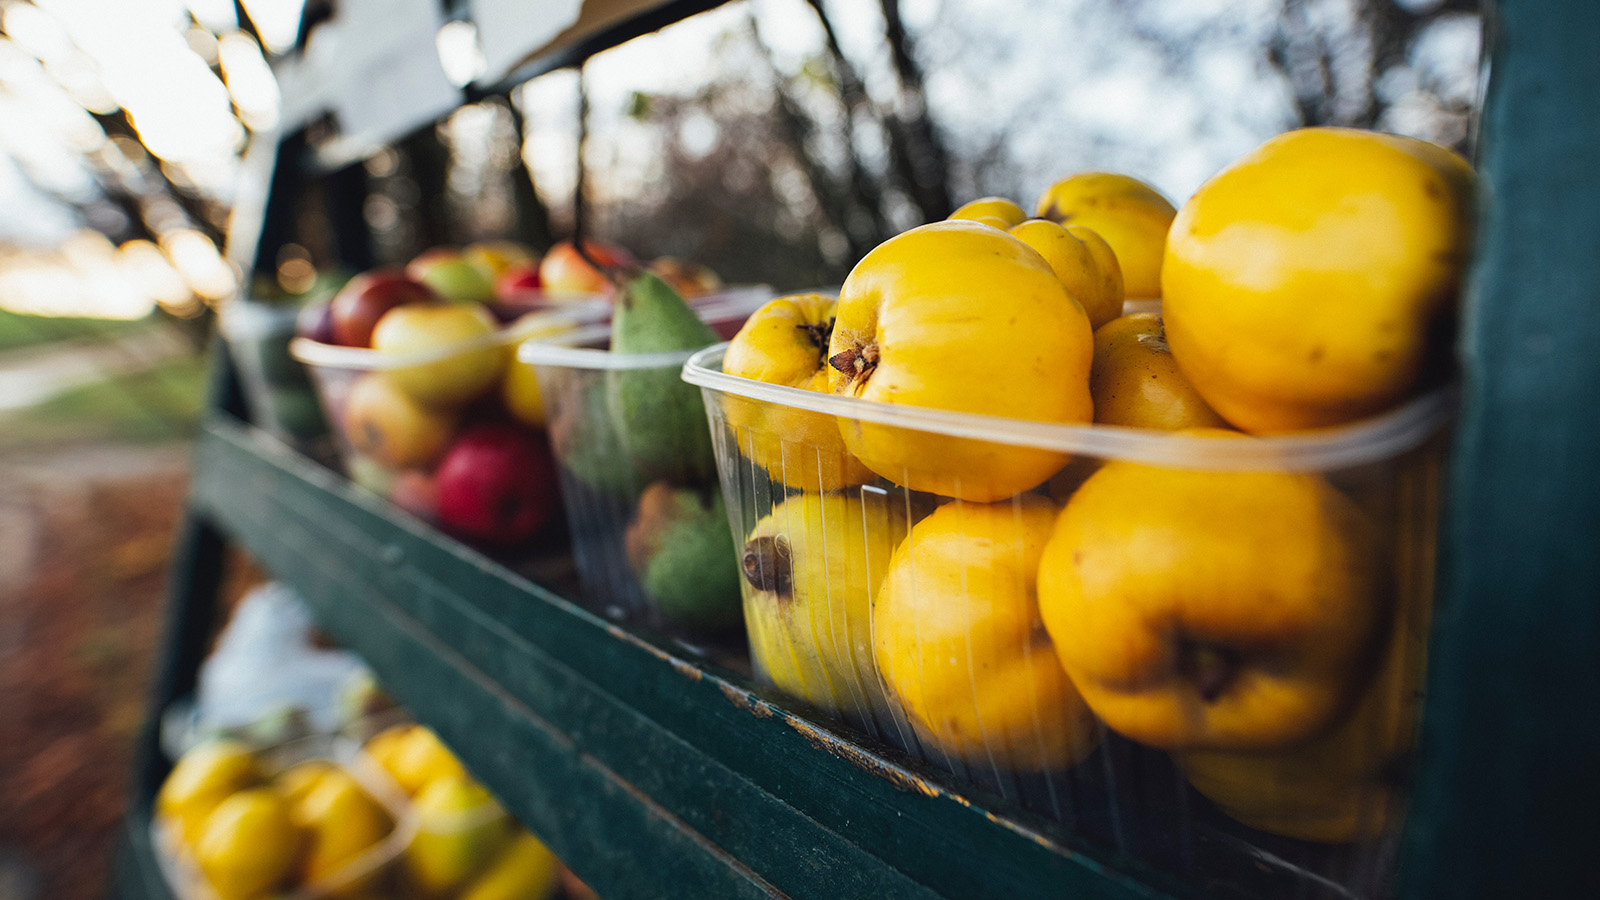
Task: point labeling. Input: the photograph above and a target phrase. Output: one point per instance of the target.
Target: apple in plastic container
(566, 274)
(518, 282)
(471, 363)
(357, 307)
(452, 275)
(496, 485)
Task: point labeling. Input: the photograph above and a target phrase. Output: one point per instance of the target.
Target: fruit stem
(856, 363)
(1211, 669)
(768, 565)
(818, 334)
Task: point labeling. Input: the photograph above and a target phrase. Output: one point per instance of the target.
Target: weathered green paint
(136, 875)
(1510, 757)
(609, 744)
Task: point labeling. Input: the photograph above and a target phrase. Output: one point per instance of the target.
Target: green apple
(447, 377)
(385, 424)
(452, 275)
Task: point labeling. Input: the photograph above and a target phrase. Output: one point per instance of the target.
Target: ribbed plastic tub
(1202, 650)
(277, 387)
(394, 444)
(638, 495)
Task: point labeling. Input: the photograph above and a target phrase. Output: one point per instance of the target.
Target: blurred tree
(1337, 74)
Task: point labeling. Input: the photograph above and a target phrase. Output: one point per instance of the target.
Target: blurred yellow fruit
(525, 870)
(299, 779)
(340, 820)
(811, 568)
(248, 846)
(1007, 212)
(1132, 216)
(960, 644)
(1203, 609)
(785, 342)
(204, 777)
(1305, 284)
(520, 389)
(386, 424)
(958, 316)
(494, 257)
(459, 359)
(460, 828)
(413, 756)
(1084, 263)
(1136, 382)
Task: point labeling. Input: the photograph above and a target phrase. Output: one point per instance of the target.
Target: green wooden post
(1508, 804)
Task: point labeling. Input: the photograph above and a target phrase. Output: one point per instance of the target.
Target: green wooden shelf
(652, 773)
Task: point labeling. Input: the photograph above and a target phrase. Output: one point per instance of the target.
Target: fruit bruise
(768, 564)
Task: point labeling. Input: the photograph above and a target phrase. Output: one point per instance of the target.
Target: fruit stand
(656, 773)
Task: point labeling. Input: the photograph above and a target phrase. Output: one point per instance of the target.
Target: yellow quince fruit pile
(1017, 601)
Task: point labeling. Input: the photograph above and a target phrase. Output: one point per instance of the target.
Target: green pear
(585, 437)
(682, 552)
(661, 419)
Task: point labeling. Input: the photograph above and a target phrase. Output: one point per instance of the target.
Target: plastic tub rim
(337, 356)
(1372, 440)
(566, 349)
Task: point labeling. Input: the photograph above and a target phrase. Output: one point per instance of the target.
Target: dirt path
(85, 536)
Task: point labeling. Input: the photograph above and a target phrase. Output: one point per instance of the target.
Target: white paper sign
(509, 30)
(394, 93)
(376, 67)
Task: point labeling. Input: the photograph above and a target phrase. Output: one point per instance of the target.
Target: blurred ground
(92, 478)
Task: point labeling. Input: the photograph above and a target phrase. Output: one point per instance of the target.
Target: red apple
(315, 322)
(365, 298)
(689, 279)
(496, 485)
(521, 279)
(564, 272)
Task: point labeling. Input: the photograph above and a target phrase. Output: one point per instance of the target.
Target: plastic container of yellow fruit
(1203, 648)
(639, 488)
(291, 832)
(453, 434)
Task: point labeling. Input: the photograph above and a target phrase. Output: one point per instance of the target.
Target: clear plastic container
(638, 476)
(374, 869)
(477, 464)
(1200, 650)
(277, 388)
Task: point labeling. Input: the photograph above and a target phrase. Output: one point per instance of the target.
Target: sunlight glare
(147, 267)
(250, 81)
(197, 260)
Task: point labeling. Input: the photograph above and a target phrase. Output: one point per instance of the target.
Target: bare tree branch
(917, 148)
